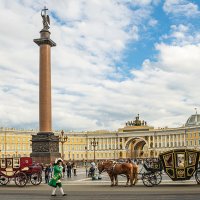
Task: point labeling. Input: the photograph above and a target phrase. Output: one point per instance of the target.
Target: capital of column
(45, 39)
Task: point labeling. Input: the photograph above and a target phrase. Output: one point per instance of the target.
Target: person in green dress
(56, 179)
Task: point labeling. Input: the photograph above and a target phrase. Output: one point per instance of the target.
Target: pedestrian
(69, 170)
(75, 168)
(56, 179)
(51, 170)
(63, 171)
(47, 172)
(86, 170)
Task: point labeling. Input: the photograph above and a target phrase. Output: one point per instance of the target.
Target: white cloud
(153, 22)
(90, 36)
(88, 92)
(182, 35)
(181, 7)
(144, 2)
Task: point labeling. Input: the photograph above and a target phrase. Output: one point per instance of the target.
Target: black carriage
(21, 170)
(178, 164)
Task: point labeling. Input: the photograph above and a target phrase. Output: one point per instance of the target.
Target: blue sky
(113, 60)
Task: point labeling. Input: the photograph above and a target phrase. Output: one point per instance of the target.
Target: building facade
(135, 140)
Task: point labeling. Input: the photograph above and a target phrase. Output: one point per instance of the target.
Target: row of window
(15, 147)
(84, 147)
(190, 135)
(14, 139)
(90, 155)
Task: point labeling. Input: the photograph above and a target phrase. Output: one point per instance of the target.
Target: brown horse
(114, 169)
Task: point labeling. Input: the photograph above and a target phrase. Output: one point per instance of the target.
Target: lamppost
(5, 141)
(62, 139)
(94, 143)
(116, 147)
(86, 150)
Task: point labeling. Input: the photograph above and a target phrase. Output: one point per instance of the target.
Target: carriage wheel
(146, 179)
(36, 178)
(197, 176)
(3, 180)
(156, 178)
(21, 179)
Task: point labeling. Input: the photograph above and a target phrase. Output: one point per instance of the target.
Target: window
(180, 160)
(192, 158)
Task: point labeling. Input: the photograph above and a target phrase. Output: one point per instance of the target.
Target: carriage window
(9, 163)
(192, 158)
(16, 163)
(2, 163)
(180, 158)
(168, 160)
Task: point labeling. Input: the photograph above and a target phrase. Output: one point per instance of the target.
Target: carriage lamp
(62, 139)
(94, 143)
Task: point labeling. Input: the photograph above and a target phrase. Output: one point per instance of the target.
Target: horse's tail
(131, 175)
(135, 170)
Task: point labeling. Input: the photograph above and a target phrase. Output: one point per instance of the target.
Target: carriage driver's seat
(9, 171)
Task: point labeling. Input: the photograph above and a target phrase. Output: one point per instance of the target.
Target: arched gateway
(137, 147)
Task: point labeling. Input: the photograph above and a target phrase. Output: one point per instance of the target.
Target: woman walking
(56, 179)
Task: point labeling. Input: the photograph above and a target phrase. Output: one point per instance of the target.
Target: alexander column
(45, 145)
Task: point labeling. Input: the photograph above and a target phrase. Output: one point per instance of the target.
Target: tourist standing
(47, 172)
(63, 175)
(75, 169)
(69, 170)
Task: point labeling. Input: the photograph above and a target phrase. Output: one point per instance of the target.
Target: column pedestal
(45, 148)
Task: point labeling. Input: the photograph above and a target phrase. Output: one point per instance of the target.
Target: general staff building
(135, 140)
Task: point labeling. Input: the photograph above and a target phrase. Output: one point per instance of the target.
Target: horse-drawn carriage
(21, 170)
(178, 164)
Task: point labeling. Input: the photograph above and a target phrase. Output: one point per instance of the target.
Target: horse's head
(105, 166)
(101, 167)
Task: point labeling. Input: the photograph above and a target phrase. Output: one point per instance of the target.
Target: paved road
(103, 192)
(82, 188)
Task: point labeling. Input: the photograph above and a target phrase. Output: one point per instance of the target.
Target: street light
(5, 142)
(116, 148)
(94, 143)
(86, 150)
(62, 139)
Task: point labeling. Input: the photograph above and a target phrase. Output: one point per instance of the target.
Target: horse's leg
(131, 176)
(116, 180)
(111, 179)
(135, 175)
(131, 180)
(128, 178)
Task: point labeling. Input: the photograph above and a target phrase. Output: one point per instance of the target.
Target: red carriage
(21, 170)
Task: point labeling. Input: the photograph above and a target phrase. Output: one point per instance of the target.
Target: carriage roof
(15, 163)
